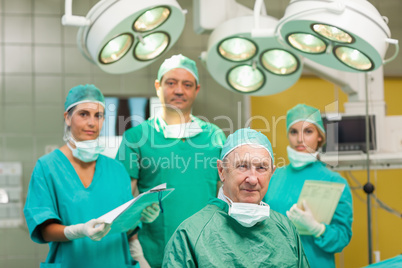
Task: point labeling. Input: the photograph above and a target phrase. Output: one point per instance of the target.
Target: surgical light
(307, 43)
(237, 49)
(151, 19)
(345, 35)
(332, 33)
(116, 48)
(279, 61)
(126, 35)
(151, 46)
(353, 58)
(245, 78)
(254, 65)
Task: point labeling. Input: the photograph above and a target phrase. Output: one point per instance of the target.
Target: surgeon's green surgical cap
(82, 94)
(245, 136)
(303, 112)
(178, 61)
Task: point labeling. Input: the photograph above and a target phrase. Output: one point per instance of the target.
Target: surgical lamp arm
(396, 44)
(258, 31)
(353, 84)
(211, 13)
(71, 20)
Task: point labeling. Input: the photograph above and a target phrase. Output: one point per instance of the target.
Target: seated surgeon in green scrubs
(237, 229)
(176, 148)
(74, 185)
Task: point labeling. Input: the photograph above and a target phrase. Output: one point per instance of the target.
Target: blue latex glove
(150, 213)
(304, 219)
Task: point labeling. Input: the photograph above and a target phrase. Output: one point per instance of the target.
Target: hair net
(82, 94)
(178, 61)
(303, 112)
(245, 136)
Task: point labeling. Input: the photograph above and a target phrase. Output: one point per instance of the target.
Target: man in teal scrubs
(237, 229)
(176, 148)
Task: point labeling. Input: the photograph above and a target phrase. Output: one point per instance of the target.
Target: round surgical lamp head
(345, 35)
(250, 65)
(245, 78)
(124, 36)
(151, 19)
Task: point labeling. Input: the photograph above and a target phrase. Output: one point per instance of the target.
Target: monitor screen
(349, 134)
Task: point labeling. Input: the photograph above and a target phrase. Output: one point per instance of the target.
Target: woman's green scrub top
(56, 192)
(284, 190)
(187, 165)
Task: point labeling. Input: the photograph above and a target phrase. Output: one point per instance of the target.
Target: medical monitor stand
(368, 187)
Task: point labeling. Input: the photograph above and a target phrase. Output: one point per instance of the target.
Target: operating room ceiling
(392, 9)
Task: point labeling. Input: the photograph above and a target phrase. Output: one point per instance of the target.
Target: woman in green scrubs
(74, 185)
(306, 135)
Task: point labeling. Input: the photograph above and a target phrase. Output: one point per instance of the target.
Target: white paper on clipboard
(322, 198)
(125, 217)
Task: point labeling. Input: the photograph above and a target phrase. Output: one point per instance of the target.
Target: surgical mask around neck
(299, 160)
(180, 131)
(247, 214)
(86, 151)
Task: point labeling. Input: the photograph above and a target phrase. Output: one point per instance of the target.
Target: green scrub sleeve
(134, 231)
(37, 209)
(218, 137)
(303, 262)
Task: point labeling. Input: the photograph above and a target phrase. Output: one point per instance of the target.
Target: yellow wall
(268, 115)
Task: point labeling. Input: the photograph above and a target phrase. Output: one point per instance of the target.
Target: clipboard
(127, 216)
(322, 198)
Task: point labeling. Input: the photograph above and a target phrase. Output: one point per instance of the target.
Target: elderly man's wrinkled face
(245, 173)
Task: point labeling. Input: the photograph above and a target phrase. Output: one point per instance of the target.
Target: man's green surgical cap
(245, 136)
(178, 61)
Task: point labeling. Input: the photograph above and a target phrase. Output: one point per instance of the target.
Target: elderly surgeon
(237, 229)
(73, 186)
(306, 134)
(175, 148)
